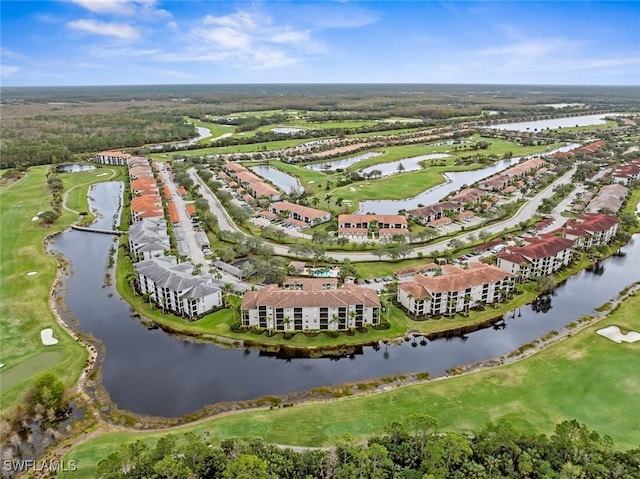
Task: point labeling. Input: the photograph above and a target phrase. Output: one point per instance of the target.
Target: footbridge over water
(97, 230)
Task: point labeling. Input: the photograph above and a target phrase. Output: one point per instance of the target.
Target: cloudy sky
(109, 42)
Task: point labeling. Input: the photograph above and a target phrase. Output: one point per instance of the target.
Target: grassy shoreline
(569, 379)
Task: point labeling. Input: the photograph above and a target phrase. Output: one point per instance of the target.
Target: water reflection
(404, 165)
(343, 163)
(285, 182)
(566, 122)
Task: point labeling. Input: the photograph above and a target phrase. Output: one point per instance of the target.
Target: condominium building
(310, 304)
(541, 257)
(450, 289)
(174, 287)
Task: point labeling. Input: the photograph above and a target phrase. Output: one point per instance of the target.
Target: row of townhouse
(436, 211)
(450, 289)
(506, 178)
(299, 215)
(441, 213)
(610, 197)
(146, 201)
(251, 182)
(361, 228)
(174, 287)
(310, 304)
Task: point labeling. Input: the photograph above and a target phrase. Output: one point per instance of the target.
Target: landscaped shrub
(382, 326)
(332, 334)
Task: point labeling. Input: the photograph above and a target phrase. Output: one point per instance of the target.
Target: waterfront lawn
(24, 310)
(584, 377)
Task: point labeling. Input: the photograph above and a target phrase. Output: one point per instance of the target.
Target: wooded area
(413, 449)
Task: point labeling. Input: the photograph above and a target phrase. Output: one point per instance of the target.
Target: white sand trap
(47, 337)
(103, 174)
(35, 218)
(614, 334)
(312, 181)
(31, 273)
(1, 364)
(351, 188)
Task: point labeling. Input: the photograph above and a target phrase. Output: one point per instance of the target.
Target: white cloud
(253, 40)
(145, 9)
(118, 30)
(120, 7)
(8, 70)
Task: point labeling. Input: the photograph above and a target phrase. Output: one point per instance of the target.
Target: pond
(287, 130)
(408, 164)
(283, 181)
(456, 180)
(74, 168)
(566, 122)
(153, 372)
(343, 163)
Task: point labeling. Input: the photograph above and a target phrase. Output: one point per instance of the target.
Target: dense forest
(414, 449)
(49, 125)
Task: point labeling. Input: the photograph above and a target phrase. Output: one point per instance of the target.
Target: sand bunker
(31, 273)
(102, 174)
(614, 334)
(35, 218)
(1, 364)
(47, 337)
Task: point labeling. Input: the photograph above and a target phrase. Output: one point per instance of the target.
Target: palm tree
(286, 321)
(467, 303)
(352, 316)
(335, 319)
(452, 307)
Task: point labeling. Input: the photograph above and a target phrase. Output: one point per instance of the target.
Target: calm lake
(570, 121)
(153, 372)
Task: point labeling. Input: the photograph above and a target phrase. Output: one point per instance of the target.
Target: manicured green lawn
(584, 377)
(24, 311)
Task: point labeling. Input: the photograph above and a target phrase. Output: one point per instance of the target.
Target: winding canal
(153, 372)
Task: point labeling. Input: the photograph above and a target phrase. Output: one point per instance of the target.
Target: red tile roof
(457, 279)
(542, 248)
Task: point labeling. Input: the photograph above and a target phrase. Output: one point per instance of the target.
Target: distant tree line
(57, 139)
(413, 449)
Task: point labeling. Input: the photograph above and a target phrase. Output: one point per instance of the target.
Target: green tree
(246, 466)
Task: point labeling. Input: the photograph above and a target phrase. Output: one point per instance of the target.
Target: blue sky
(114, 42)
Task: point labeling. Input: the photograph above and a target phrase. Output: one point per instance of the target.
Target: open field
(584, 377)
(23, 298)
